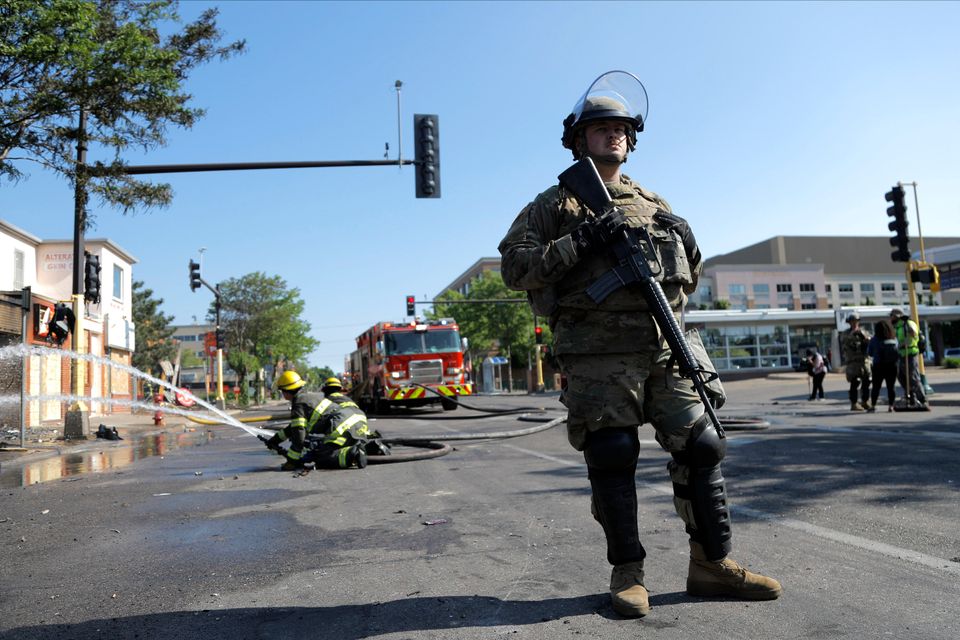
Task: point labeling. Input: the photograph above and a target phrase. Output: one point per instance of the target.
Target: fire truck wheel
(448, 405)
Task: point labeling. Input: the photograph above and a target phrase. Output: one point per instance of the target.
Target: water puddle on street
(109, 458)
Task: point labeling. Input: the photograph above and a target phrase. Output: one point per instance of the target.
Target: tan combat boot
(627, 591)
(855, 407)
(727, 578)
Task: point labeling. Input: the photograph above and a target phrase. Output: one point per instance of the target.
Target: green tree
(505, 327)
(262, 324)
(154, 342)
(316, 375)
(189, 359)
(107, 59)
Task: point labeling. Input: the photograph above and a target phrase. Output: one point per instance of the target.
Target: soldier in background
(614, 358)
(857, 363)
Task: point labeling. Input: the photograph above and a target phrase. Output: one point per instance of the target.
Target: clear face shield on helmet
(618, 92)
(615, 95)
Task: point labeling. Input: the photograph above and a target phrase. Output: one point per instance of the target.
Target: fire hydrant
(158, 414)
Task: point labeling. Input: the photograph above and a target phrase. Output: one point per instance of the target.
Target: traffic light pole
(914, 315)
(916, 206)
(77, 418)
(538, 346)
(221, 400)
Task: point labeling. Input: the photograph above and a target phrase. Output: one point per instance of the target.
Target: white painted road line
(873, 546)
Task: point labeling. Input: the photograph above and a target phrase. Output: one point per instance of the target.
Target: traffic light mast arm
(214, 289)
(147, 169)
(486, 301)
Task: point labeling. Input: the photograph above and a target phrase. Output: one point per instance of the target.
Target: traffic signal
(221, 342)
(411, 306)
(91, 277)
(925, 275)
(898, 211)
(426, 132)
(62, 323)
(538, 334)
(194, 275)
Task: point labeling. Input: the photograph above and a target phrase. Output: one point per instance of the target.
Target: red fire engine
(395, 361)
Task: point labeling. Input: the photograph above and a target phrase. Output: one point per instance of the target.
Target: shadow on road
(346, 622)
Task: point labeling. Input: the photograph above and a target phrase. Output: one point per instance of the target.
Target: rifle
(635, 253)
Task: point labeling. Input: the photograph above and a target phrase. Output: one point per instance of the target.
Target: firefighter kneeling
(329, 432)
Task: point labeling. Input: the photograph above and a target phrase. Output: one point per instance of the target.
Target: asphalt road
(856, 514)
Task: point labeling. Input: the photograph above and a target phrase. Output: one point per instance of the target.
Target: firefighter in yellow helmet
(340, 436)
(331, 434)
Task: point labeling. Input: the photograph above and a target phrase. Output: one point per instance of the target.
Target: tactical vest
(642, 209)
(855, 346)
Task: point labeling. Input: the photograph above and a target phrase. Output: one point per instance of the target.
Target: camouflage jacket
(539, 257)
(855, 346)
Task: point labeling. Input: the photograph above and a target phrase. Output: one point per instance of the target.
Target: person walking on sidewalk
(614, 358)
(818, 371)
(857, 362)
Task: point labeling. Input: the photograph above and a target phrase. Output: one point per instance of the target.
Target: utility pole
(77, 422)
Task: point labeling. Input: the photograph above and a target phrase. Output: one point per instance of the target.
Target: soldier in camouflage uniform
(615, 359)
(857, 363)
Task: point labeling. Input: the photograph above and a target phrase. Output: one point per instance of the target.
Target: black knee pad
(612, 449)
(705, 448)
(706, 490)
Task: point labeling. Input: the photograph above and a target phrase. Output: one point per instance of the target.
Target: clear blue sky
(765, 119)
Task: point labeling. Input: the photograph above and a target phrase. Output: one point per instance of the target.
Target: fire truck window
(442, 341)
(401, 344)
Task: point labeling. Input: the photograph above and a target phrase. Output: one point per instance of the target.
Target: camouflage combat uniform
(612, 353)
(857, 366)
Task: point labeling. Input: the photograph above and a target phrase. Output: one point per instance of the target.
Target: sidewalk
(47, 440)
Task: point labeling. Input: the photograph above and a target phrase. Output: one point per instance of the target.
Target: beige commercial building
(46, 268)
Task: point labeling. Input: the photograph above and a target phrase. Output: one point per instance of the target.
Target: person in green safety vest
(908, 369)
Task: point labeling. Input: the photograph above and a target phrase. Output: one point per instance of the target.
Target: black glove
(594, 234)
(272, 443)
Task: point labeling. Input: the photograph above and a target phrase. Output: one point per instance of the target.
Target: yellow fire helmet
(332, 383)
(290, 381)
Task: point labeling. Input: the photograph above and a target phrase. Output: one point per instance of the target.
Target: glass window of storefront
(762, 346)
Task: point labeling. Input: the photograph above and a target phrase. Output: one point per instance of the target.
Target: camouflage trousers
(630, 389)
